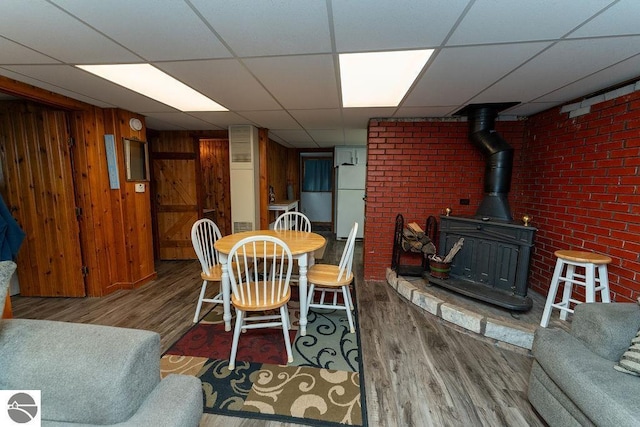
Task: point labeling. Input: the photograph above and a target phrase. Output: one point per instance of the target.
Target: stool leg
(568, 291)
(590, 283)
(551, 296)
(603, 275)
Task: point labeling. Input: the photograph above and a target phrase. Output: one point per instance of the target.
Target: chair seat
(254, 306)
(215, 273)
(325, 275)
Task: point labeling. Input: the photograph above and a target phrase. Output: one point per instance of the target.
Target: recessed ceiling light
(150, 81)
(379, 79)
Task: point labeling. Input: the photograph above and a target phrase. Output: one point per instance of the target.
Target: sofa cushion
(606, 328)
(86, 373)
(630, 361)
(604, 395)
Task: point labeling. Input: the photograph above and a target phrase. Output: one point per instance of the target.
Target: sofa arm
(175, 402)
(86, 373)
(606, 328)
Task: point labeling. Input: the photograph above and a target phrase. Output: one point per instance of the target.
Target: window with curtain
(317, 174)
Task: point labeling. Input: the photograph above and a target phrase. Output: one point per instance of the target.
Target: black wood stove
(493, 264)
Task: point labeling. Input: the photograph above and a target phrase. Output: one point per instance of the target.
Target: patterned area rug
(322, 386)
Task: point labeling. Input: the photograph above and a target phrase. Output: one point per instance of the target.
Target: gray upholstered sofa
(573, 381)
(93, 375)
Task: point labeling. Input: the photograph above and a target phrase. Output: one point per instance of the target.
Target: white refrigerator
(350, 197)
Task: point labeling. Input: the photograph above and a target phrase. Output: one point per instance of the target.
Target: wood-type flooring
(418, 370)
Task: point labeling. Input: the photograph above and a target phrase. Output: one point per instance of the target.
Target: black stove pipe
(499, 163)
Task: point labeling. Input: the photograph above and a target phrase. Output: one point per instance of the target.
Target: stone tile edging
(482, 325)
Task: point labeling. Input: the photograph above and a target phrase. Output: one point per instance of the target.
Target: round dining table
(302, 245)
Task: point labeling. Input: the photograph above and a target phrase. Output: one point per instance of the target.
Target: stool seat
(581, 256)
(593, 276)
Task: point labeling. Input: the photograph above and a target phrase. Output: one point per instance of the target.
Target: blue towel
(11, 235)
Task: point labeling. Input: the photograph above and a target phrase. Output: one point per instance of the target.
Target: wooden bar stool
(565, 271)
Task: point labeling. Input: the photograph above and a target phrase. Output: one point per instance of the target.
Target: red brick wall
(580, 182)
(577, 177)
(419, 168)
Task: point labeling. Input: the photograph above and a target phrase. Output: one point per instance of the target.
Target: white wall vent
(244, 177)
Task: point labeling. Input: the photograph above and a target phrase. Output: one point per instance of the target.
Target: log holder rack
(431, 230)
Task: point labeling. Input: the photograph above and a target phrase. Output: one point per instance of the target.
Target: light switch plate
(140, 188)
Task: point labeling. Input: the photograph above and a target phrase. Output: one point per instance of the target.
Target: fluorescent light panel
(150, 81)
(379, 79)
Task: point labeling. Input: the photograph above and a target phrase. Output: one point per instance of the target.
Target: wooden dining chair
(259, 274)
(334, 279)
(293, 221)
(204, 233)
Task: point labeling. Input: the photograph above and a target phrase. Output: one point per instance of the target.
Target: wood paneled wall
(214, 161)
(115, 229)
(283, 168)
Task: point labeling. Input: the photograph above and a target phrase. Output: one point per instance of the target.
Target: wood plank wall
(214, 161)
(283, 168)
(116, 237)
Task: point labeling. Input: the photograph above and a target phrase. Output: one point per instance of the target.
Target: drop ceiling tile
(458, 74)
(363, 26)
(317, 119)
(46, 28)
(270, 28)
(499, 21)
(621, 18)
(610, 76)
(562, 64)
(276, 119)
(298, 138)
(435, 111)
(189, 37)
(359, 117)
(88, 85)
(531, 108)
(298, 82)
(53, 88)
(325, 137)
(181, 120)
(221, 119)
(225, 81)
(13, 54)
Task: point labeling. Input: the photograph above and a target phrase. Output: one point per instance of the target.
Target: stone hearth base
(494, 323)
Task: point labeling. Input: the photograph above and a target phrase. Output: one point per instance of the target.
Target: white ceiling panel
(13, 53)
(620, 72)
(288, 77)
(274, 64)
(327, 137)
(277, 119)
(457, 73)
(359, 117)
(537, 77)
(621, 18)
(72, 78)
(49, 30)
(225, 81)
(508, 21)
(183, 121)
(259, 28)
(221, 119)
(190, 37)
(405, 24)
(317, 119)
(298, 138)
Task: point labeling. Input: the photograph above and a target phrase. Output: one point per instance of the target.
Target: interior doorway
(316, 195)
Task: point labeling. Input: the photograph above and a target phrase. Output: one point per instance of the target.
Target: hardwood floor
(418, 370)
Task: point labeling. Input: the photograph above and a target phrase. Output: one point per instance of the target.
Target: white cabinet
(352, 155)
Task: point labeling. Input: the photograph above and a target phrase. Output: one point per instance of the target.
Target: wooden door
(176, 203)
(37, 185)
